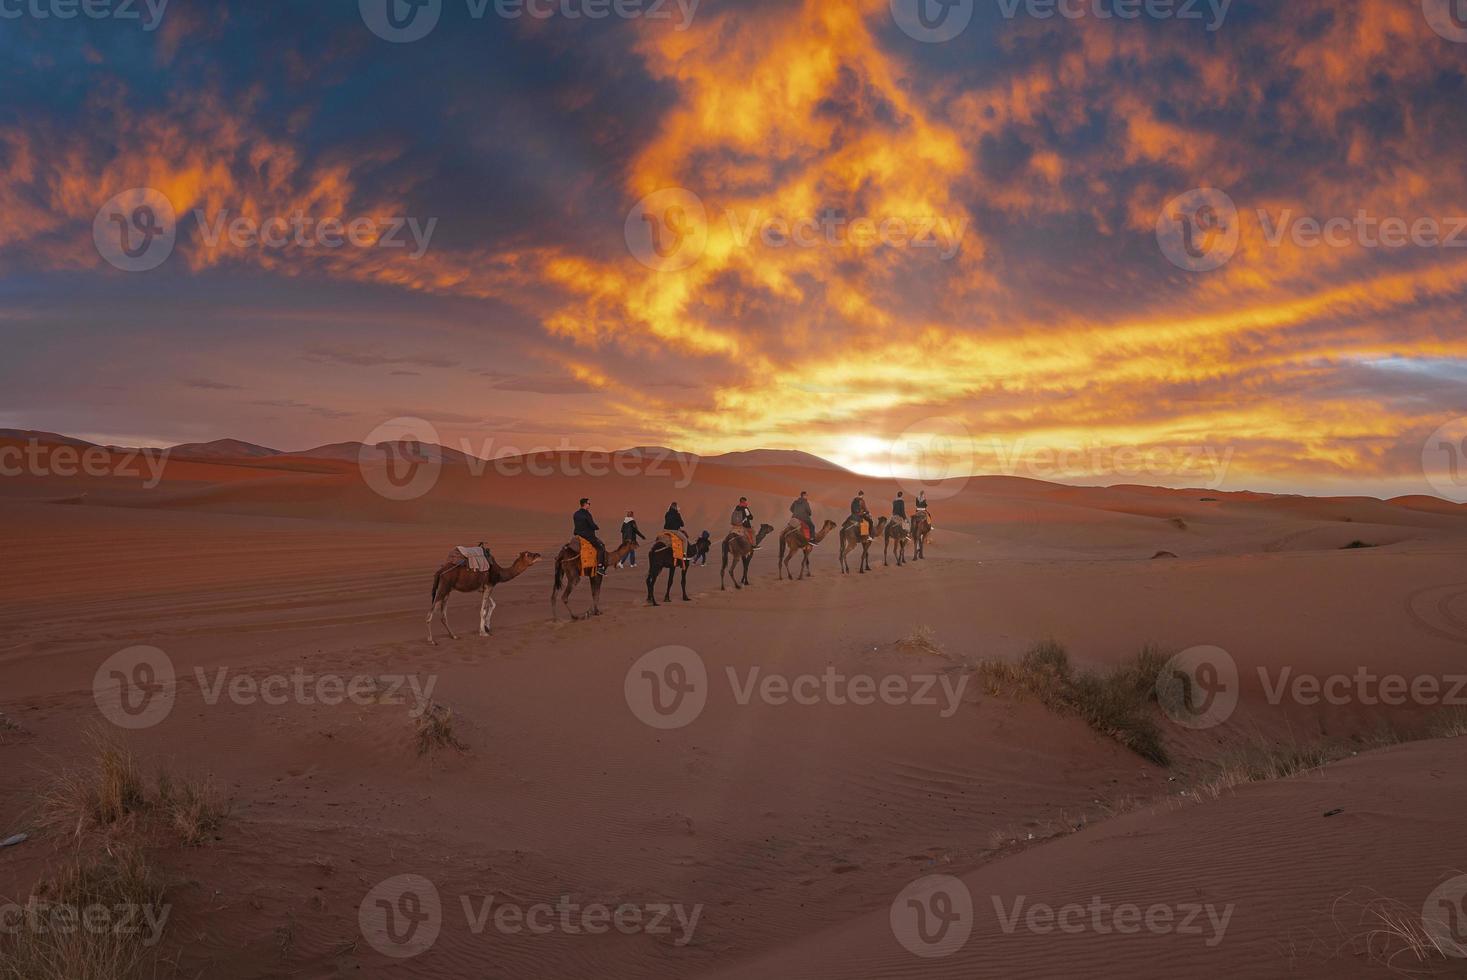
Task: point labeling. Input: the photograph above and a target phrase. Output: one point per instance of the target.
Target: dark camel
(660, 557)
(737, 545)
(850, 536)
(458, 577)
(921, 530)
(895, 540)
(792, 540)
(568, 570)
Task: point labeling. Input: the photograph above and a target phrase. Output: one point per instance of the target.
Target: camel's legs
(486, 611)
(431, 610)
(685, 582)
(443, 616)
(595, 596)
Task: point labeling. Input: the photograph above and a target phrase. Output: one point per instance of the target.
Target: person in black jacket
(585, 527)
(674, 521)
(899, 507)
(630, 533)
(800, 509)
(859, 509)
(742, 519)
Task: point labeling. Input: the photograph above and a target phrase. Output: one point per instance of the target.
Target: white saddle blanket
(478, 561)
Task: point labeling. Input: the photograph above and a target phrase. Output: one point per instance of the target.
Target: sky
(1206, 244)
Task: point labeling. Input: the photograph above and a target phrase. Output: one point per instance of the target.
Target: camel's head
(765, 529)
(528, 558)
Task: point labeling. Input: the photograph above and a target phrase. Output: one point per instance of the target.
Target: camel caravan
(585, 556)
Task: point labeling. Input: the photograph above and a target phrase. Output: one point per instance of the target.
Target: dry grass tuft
(435, 730)
(109, 795)
(194, 809)
(922, 640)
(1259, 761)
(1116, 703)
(1393, 934)
(1449, 723)
(57, 940)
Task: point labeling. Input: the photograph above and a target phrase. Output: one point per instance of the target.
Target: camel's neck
(505, 574)
(820, 534)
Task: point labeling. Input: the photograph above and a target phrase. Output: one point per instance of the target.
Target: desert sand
(790, 828)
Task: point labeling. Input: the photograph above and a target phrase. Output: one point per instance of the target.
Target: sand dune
(791, 827)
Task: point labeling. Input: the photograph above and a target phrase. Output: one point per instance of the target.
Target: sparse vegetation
(1393, 934)
(110, 794)
(436, 730)
(120, 882)
(193, 808)
(922, 640)
(1116, 703)
(1259, 760)
(1356, 546)
(1449, 723)
(1179, 523)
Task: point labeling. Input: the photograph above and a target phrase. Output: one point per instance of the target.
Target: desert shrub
(435, 730)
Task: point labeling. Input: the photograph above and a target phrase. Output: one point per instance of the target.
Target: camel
(895, 539)
(568, 568)
(792, 540)
(737, 545)
(458, 577)
(850, 536)
(921, 531)
(660, 557)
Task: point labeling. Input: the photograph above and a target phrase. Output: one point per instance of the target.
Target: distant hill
(356, 451)
(223, 449)
(775, 457)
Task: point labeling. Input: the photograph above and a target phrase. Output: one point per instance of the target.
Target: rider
(585, 527)
(800, 508)
(859, 510)
(742, 519)
(922, 505)
(899, 507)
(674, 521)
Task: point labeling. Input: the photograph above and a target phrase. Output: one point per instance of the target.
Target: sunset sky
(1032, 156)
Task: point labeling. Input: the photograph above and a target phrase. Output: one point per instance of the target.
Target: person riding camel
(585, 527)
(922, 505)
(859, 510)
(674, 521)
(800, 508)
(742, 519)
(899, 507)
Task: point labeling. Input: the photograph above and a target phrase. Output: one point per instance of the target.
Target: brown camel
(458, 577)
(921, 531)
(792, 540)
(737, 545)
(896, 539)
(568, 568)
(850, 536)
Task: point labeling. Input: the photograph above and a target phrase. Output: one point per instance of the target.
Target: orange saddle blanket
(588, 556)
(676, 543)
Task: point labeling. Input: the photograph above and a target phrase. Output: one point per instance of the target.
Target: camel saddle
(863, 528)
(588, 556)
(677, 543)
(747, 532)
(796, 524)
(478, 558)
